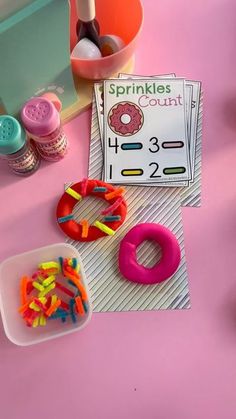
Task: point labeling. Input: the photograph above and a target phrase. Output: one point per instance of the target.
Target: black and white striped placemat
(111, 292)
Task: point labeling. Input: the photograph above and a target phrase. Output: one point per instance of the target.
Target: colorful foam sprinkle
(49, 265)
(114, 194)
(113, 207)
(47, 289)
(23, 289)
(100, 189)
(38, 286)
(72, 312)
(111, 218)
(84, 185)
(48, 280)
(104, 228)
(41, 295)
(85, 228)
(79, 305)
(74, 194)
(53, 308)
(64, 289)
(42, 320)
(66, 218)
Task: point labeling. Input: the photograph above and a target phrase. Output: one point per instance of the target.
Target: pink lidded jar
(41, 119)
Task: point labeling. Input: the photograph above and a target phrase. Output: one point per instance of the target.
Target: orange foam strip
(53, 308)
(71, 274)
(116, 192)
(79, 306)
(80, 288)
(85, 228)
(23, 289)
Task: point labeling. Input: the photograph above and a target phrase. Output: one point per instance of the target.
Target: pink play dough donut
(170, 260)
(129, 110)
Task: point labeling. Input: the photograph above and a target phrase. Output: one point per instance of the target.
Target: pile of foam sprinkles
(43, 296)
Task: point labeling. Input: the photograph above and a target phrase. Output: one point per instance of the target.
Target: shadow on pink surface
(39, 230)
(229, 112)
(7, 177)
(227, 314)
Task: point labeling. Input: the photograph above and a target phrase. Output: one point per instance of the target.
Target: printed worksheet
(188, 99)
(145, 131)
(196, 90)
(98, 90)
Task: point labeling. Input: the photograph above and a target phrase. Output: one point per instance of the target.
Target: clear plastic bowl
(11, 271)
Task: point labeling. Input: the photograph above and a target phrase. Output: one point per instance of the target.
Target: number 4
(116, 146)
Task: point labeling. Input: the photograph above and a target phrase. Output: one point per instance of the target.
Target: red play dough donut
(66, 204)
(133, 112)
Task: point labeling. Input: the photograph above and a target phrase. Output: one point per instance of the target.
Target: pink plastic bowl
(118, 17)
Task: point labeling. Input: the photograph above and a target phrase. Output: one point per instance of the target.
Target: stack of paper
(148, 128)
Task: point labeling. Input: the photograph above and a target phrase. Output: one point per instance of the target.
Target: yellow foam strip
(38, 286)
(73, 193)
(43, 300)
(36, 322)
(34, 307)
(49, 265)
(42, 320)
(48, 281)
(54, 299)
(46, 290)
(104, 228)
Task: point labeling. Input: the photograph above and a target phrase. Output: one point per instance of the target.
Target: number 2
(155, 170)
(154, 141)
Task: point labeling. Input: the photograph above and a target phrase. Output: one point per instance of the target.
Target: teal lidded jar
(20, 154)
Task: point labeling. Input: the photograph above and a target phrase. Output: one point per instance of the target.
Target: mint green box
(35, 53)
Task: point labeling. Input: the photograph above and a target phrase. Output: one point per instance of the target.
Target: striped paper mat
(110, 292)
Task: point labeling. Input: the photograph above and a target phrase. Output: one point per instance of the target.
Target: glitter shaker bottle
(41, 119)
(21, 155)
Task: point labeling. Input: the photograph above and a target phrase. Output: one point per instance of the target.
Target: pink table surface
(164, 364)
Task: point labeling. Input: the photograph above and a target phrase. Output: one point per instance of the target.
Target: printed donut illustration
(125, 118)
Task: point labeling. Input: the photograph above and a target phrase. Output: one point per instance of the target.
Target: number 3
(154, 141)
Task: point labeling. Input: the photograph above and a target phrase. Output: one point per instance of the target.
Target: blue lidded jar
(21, 155)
